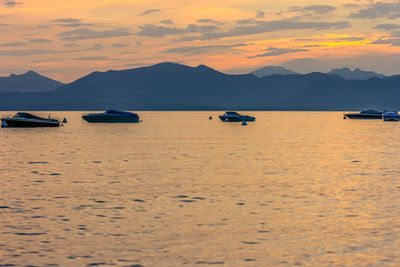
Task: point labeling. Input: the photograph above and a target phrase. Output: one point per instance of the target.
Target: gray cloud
(152, 30)
(314, 45)
(120, 45)
(83, 34)
(27, 52)
(278, 25)
(391, 41)
(146, 12)
(208, 32)
(351, 5)
(211, 21)
(201, 49)
(272, 51)
(40, 41)
(10, 3)
(167, 22)
(387, 26)
(33, 52)
(14, 44)
(70, 45)
(71, 23)
(352, 39)
(260, 14)
(378, 10)
(317, 9)
(96, 46)
(92, 58)
(248, 21)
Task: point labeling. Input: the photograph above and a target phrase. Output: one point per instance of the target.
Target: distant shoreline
(187, 109)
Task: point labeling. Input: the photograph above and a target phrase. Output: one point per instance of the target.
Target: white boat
(24, 119)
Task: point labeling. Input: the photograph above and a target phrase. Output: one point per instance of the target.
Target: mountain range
(171, 86)
(272, 70)
(28, 82)
(345, 73)
(355, 74)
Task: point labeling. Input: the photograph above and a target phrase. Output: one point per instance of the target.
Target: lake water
(292, 188)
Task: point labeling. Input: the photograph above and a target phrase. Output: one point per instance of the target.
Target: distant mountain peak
(201, 66)
(272, 70)
(31, 72)
(28, 73)
(29, 81)
(356, 74)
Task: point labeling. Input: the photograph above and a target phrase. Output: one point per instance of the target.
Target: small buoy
(4, 123)
(210, 118)
(244, 123)
(226, 119)
(65, 120)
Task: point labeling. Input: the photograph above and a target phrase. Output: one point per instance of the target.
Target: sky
(66, 40)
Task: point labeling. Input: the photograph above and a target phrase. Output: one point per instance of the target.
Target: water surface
(292, 188)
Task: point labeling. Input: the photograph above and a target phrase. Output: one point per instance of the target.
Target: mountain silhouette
(172, 86)
(28, 82)
(335, 93)
(272, 70)
(355, 74)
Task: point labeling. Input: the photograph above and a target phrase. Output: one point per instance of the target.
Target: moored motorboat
(112, 116)
(232, 116)
(390, 116)
(24, 119)
(365, 114)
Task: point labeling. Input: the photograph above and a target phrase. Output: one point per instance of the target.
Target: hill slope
(28, 82)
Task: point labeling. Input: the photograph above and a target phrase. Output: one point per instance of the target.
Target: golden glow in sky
(66, 40)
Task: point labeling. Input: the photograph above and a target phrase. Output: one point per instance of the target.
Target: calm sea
(292, 188)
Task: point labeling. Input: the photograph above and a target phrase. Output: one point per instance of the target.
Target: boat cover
(370, 111)
(120, 112)
(231, 113)
(391, 114)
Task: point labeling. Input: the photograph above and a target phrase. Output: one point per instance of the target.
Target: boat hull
(364, 116)
(16, 122)
(236, 118)
(107, 118)
(391, 119)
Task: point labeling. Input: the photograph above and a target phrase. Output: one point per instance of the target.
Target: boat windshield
(231, 113)
(28, 116)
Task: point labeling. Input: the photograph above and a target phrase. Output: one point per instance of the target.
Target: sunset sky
(66, 40)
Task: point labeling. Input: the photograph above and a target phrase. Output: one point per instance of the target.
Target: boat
(232, 116)
(390, 116)
(112, 116)
(365, 114)
(24, 119)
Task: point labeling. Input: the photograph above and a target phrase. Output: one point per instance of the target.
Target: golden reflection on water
(292, 188)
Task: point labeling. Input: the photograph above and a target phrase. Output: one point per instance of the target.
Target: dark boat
(365, 114)
(24, 119)
(391, 116)
(112, 116)
(232, 116)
